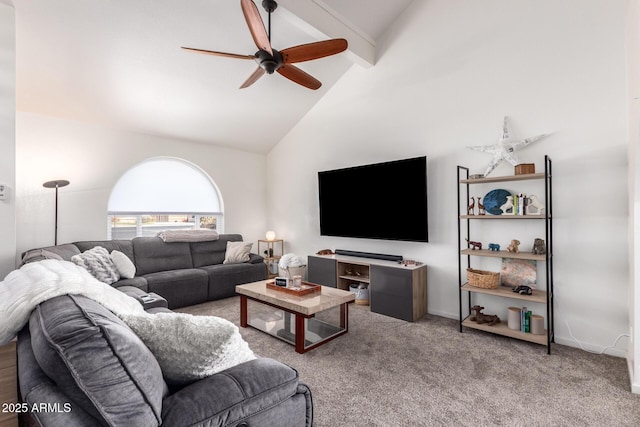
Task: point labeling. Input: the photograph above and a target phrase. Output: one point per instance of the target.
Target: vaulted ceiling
(118, 63)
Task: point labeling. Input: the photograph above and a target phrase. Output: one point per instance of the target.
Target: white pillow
(123, 264)
(237, 252)
(189, 347)
(98, 262)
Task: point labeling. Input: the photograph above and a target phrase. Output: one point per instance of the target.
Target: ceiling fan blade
(256, 26)
(259, 72)
(296, 75)
(307, 52)
(213, 52)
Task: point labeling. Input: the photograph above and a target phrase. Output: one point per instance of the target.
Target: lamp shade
(270, 235)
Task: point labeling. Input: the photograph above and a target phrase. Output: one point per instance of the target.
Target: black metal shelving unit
(465, 252)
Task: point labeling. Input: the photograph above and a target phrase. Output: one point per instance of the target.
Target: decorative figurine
(523, 290)
(539, 247)
(494, 247)
(480, 318)
(534, 206)
(507, 208)
(474, 245)
(481, 210)
(513, 247)
(471, 207)
(505, 148)
(324, 252)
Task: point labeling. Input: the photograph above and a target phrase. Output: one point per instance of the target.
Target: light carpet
(388, 372)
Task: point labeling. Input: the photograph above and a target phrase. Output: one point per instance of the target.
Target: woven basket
(483, 279)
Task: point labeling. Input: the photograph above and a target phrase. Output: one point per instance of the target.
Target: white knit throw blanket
(187, 347)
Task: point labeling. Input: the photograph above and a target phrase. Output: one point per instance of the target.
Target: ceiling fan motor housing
(268, 62)
(269, 5)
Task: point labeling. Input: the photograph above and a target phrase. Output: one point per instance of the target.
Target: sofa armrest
(233, 395)
(255, 258)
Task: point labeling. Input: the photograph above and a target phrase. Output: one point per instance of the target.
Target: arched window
(163, 193)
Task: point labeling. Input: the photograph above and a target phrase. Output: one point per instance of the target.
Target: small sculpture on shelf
(533, 206)
(539, 247)
(523, 290)
(474, 245)
(481, 209)
(494, 247)
(507, 208)
(513, 246)
(471, 207)
(480, 318)
(324, 252)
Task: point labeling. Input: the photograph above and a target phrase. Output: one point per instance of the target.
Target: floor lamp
(56, 184)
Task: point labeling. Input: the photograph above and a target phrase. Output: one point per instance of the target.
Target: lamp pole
(56, 184)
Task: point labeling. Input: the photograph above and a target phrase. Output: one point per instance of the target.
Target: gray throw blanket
(199, 235)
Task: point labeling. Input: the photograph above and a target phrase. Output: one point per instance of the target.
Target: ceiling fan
(270, 59)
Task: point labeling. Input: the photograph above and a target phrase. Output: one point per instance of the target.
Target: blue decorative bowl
(494, 199)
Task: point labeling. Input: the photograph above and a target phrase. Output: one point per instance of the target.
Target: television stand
(395, 289)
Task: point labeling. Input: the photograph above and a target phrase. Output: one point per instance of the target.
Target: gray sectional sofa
(183, 273)
(88, 368)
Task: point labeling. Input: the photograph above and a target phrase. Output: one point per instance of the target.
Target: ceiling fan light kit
(271, 60)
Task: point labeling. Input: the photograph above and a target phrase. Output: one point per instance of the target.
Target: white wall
(93, 157)
(633, 100)
(7, 137)
(448, 71)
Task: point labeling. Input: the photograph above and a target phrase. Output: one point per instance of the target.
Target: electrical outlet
(3, 192)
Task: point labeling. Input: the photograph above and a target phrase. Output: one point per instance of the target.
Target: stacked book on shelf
(525, 320)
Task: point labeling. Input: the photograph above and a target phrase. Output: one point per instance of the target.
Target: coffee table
(305, 332)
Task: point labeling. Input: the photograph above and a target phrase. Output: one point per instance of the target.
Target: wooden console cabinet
(394, 290)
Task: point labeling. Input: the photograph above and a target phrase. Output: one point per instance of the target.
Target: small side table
(272, 251)
(8, 383)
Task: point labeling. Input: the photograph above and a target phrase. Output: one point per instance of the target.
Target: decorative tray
(306, 288)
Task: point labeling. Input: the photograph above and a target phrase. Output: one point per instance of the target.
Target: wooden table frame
(299, 322)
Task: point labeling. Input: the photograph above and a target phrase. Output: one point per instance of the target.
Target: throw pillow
(237, 252)
(189, 347)
(123, 264)
(98, 262)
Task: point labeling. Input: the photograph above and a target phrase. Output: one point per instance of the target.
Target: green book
(527, 321)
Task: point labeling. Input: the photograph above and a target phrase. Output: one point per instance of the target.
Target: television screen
(378, 201)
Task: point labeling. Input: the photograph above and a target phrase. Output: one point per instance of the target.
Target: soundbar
(385, 257)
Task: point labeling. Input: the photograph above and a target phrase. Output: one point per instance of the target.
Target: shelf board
(363, 279)
(502, 216)
(523, 177)
(504, 254)
(506, 292)
(502, 329)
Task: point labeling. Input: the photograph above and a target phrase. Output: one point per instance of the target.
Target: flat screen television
(377, 201)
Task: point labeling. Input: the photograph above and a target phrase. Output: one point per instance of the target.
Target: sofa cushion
(153, 255)
(124, 246)
(138, 282)
(37, 388)
(223, 278)
(212, 252)
(121, 381)
(180, 288)
(65, 252)
(234, 395)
